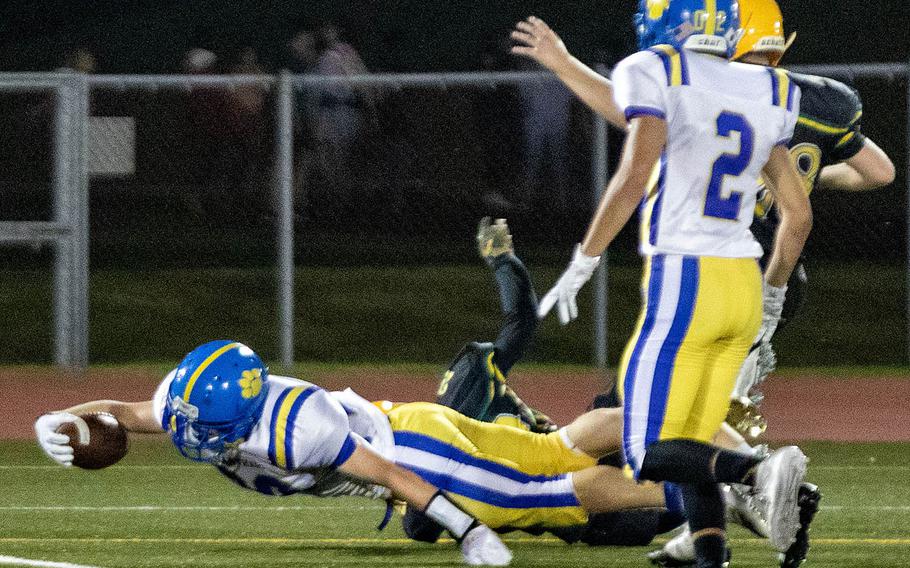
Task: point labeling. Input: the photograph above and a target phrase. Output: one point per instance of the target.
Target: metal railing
(68, 231)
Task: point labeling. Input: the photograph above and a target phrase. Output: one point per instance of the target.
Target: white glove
(761, 360)
(54, 444)
(772, 306)
(566, 288)
(482, 547)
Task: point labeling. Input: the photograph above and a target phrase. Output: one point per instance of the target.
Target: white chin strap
(715, 45)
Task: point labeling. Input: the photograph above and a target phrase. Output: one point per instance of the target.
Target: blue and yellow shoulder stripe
(284, 417)
(675, 65)
(781, 89)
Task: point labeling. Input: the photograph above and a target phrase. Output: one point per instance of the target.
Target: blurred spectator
(205, 162)
(198, 61)
(229, 136)
(303, 57)
(303, 52)
(343, 110)
(546, 114)
(498, 119)
(79, 60)
(247, 133)
(249, 100)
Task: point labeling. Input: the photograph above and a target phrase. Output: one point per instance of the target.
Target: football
(105, 444)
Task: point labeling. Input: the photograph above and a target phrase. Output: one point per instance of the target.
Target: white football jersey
(304, 433)
(723, 119)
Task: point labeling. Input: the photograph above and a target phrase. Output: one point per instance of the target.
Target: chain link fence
(387, 176)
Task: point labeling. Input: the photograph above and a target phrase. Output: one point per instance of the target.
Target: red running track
(855, 409)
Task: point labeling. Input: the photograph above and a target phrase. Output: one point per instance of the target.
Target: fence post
(601, 294)
(284, 192)
(63, 255)
(907, 165)
(80, 221)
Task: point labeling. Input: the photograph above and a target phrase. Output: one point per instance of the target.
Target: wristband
(447, 514)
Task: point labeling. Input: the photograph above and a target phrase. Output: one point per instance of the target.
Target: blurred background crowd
(392, 175)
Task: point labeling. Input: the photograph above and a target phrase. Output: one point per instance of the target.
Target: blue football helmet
(710, 26)
(215, 398)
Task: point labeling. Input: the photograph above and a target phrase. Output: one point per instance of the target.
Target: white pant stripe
(480, 477)
(640, 401)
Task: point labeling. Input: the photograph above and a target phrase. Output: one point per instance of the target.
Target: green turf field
(855, 314)
(156, 509)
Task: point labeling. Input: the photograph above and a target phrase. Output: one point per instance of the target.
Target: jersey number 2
(716, 205)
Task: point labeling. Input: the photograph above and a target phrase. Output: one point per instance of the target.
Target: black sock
(688, 461)
(734, 467)
(705, 510)
(709, 551)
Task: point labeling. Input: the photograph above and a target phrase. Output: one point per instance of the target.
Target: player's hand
(54, 444)
(772, 307)
(537, 41)
(563, 293)
(482, 547)
(543, 423)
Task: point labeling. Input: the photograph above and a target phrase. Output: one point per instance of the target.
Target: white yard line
(234, 540)
(201, 467)
(14, 561)
(165, 508)
(243, 508)
(57, 467)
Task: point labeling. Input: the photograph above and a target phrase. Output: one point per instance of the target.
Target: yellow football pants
(699, 319)
(503, 476)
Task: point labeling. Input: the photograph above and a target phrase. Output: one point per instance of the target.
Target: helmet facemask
(200, 441)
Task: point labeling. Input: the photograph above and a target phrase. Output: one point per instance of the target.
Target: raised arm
(537, 41)
(516, 292)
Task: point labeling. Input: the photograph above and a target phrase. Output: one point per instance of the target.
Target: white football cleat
(743, 510)
(777, 482)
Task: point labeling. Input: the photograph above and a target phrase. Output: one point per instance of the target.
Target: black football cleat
(665, 560)
(807, 499)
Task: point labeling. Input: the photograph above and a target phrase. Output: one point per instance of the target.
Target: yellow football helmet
(763, 30)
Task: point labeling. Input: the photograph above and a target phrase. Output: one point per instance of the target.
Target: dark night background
(432, 161)
(403, 35)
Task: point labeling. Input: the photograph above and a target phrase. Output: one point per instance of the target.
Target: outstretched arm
(134, 416)
(479, 544)
(537, 41)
